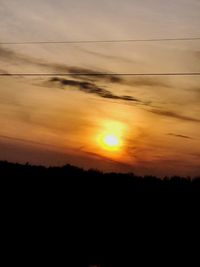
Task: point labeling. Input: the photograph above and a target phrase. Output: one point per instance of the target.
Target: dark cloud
(95, 75)
(9, 55)
(88, 82)
(92, 88)
(136, 81)
(180, 136)
(100, 76)
(92, 75)
(174, 115)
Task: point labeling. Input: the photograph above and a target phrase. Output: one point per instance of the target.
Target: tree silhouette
(103, 219)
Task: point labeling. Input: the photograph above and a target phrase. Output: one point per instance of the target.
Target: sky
(153, 121)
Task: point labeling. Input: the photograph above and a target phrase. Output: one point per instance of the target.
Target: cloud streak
(92, 88)
(146, 82)
(174, 115)
(12, 56)
(180, 136)
(87, 84)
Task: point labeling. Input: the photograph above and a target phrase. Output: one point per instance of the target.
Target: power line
(103, 74)
(101, 41)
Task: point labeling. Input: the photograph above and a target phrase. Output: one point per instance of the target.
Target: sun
(111, 140)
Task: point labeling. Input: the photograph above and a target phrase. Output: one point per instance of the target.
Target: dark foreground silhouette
(96, 180)
(88, 218)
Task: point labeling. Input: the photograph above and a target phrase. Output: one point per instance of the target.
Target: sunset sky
(143, 124)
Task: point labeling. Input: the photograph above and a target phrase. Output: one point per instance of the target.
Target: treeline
(68, 170)
(70, 175)
(95, 218)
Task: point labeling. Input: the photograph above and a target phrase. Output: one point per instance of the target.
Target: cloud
(9, 55)
(3, 71)
(6, 54)
(180, 136)
(27, 141)
(95, 75)
(92, 88)
(86, 83)
(92, 75)
(106, 56)
(196, 91)
(148, 81)
(104, 158)
(174, 115)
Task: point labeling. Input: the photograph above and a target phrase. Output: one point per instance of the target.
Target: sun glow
(111, 137)
(111, 141)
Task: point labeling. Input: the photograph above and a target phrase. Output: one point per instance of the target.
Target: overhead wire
(103, 74)
(102, 41)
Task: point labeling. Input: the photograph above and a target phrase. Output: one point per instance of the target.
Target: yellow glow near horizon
(111, 137)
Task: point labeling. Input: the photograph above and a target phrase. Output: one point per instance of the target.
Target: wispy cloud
(106, 56)
(27, 141)
(174, 115)
(16, 58)
(6, 54)
(180, 136)
(147, 82)
(92, 88)
(87, 83)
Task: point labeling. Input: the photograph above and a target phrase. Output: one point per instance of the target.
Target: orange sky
(58, 120)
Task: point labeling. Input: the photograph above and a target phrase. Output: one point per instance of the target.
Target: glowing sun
(111, 140)
(111, 137)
